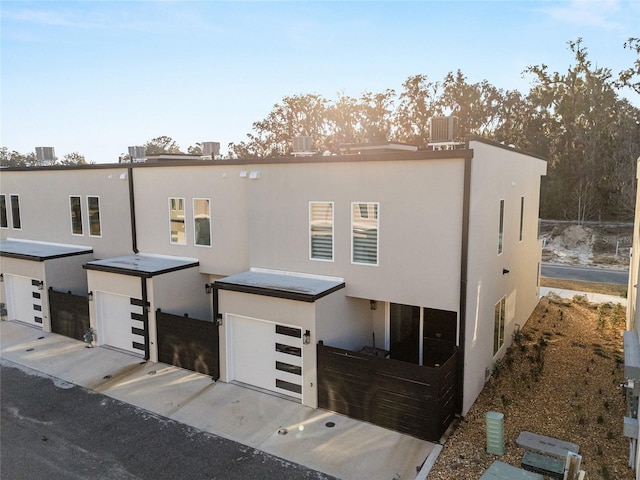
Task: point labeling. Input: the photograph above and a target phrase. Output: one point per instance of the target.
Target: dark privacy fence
(69, 314)
(401, 396)
(188, 343)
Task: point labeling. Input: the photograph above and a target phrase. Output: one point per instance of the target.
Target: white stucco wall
(499, 173)
(66, 274)
(180, 292)
(45, 209)
(344, 322)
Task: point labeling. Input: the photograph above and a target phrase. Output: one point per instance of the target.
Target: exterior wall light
(207, 288)
(1, 277)
(505, 271)
(90, 296)
(306, 338)
(40, 285)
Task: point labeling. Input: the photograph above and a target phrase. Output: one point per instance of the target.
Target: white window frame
(333, 235)
(184, 207)
(521, 235)
(195, 236)
(498, 329)
(89, 215)
(377, 205)
(6, 211)
(11, 196)
(79, 197)
(501, 227)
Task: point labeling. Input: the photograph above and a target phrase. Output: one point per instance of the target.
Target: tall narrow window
(364, 233)
(521, 217)
(15, 212)
(501, 228)
(93, 206)
(498, 328)
(176, 217)
(76, 215)
(4, 221)
(321, 231)
(202, 222)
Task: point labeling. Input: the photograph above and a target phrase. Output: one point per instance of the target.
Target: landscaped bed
(561, 378)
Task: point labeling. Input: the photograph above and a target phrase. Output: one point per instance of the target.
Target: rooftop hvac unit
(45, 154)
(211, 149)
(137, 154)
(302, 144)
(444, 129)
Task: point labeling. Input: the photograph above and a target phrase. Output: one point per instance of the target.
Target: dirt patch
(594, 244)
(560, 377)
(580, 286)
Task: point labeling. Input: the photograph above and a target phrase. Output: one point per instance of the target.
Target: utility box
(495, 433)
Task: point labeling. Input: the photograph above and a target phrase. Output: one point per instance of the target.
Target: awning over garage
(40, 251)
(142, 265)
(281, 285)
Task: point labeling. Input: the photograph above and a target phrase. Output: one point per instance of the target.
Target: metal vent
(302, 144)
(444, 129)
(137, 153)
(45, 154)
(211, 149)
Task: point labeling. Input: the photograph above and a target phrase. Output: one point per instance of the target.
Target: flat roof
(142, 265)
(281, 285)
(40, 251)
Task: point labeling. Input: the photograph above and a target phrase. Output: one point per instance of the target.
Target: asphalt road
(598, 275)
(53, 429)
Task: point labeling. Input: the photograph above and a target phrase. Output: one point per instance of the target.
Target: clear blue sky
(97, 76)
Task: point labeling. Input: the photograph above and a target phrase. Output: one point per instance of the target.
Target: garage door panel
(24, 302)
(115, 324)
(266, 354)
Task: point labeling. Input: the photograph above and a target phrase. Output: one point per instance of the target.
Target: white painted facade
(428, 236)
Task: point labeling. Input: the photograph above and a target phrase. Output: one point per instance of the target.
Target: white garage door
(265, 354)
(115, 325)
(24, 302)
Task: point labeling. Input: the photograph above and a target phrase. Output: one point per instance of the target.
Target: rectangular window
(501, 228)
(93, 207)
(521, 217)
(202, 222)
(15, 212)
(4, 221)
(498, 327)
(76, 215)
(321, 231)
(364, 233)
(176, 218)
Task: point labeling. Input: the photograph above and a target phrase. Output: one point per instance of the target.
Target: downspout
(132, 212)
(217, 320)
(464, 259)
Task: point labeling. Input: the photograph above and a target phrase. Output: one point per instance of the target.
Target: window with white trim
(15, 212)
(321, 231)
(501, 228)
(202, 222)
(75, 206)
(176, 219)
(93, 208)
(498, 327)
(521, 218)
(4, 220)
(364, 232)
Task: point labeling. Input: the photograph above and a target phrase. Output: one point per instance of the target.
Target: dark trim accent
(464, 261)
(37, 294)
(288, 350)
(137, 273)
(132, 212)
(145, 321)
(39, 258)
(137, 331)
(37, 319)
(138, 316)
(140, 346)
(273, 292)
(37, 308)
(292, 387)
(138, 302)
(287, 367)
(352, 158)
(35, 282)
(289, 331)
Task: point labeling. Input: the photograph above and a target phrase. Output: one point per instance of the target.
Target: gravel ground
(560, 377)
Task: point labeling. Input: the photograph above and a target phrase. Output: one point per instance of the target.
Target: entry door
(265, 354)
(404, 333)
(24, 302)
(115, 326)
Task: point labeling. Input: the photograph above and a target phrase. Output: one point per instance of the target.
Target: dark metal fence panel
(69, 314)
(401, 396)
(188, 343)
